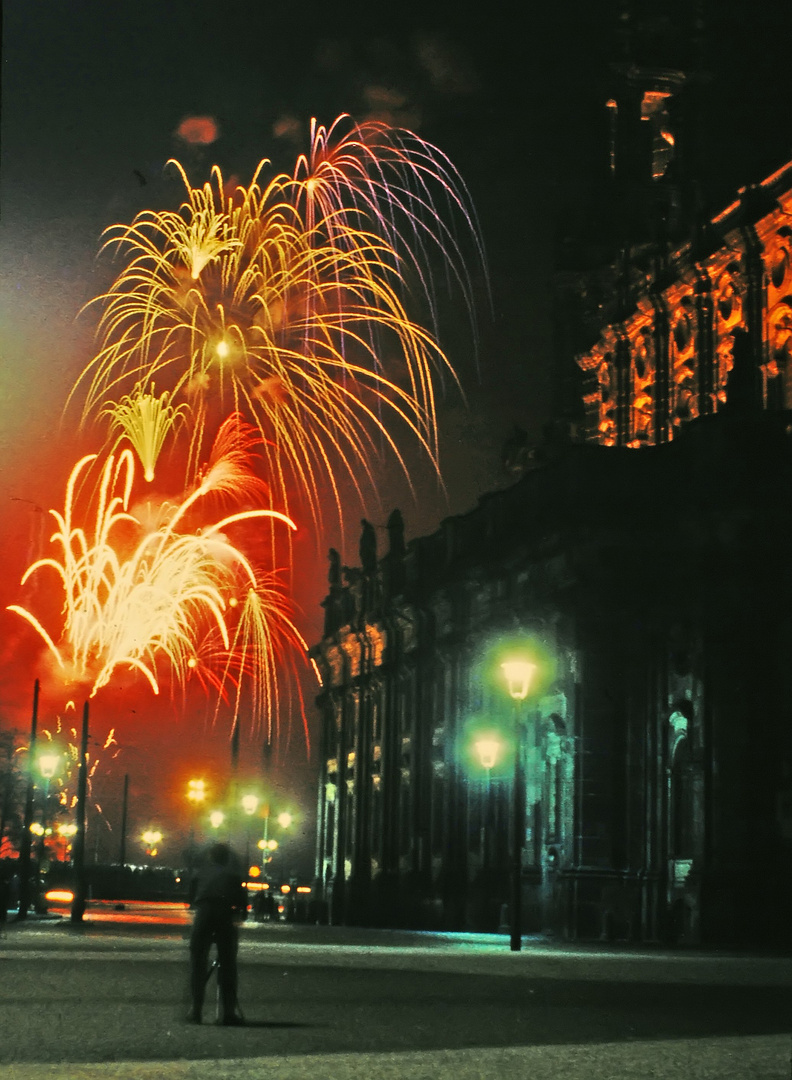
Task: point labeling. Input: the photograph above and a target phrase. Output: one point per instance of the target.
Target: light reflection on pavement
(163, 913)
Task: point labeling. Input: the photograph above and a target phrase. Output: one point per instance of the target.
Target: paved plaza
(108, 1000)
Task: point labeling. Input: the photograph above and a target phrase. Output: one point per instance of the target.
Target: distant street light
(196, 791)
(249, 805)
(518, 673)
(269, 846)
(151, 838)
(216, 818)
(196, 794)
(67, 832)
(48, 764)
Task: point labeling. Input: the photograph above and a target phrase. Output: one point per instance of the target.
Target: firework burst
(145, 420)
(286, 302)
(141, 597)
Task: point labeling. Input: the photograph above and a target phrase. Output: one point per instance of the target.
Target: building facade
(644, 569)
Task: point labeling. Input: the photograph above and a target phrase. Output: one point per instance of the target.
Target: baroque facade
(713, 322)
(645, 568)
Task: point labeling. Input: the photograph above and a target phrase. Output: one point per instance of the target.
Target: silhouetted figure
(368, 547)
(396, 535)
(396, 553)
(220, 901)
(334, 573)
(515, 451)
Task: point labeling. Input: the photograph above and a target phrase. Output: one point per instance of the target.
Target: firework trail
(286, 302)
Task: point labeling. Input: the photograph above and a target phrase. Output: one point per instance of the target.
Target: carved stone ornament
(728, 296)
(780, 342)
(606, 376)
(643, 375)
(683, 366)
(678, 723)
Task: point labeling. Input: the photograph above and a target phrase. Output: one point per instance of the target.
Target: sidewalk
(747, 1058)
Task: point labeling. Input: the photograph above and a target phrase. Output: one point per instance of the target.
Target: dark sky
(92, 95)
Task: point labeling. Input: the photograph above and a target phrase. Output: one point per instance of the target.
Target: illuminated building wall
(648, 553)
(722, 302)
(659, 757)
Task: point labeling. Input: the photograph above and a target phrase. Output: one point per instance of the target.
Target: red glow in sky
(198, 130)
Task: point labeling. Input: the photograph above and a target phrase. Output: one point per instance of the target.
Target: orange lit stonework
(670, 359)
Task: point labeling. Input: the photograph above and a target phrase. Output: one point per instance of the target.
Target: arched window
(681, 837)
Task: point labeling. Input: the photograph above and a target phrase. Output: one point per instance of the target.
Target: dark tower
(638, 195)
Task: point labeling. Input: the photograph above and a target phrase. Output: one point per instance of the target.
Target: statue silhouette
(368, 547)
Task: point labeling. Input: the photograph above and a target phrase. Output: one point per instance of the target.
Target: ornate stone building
(713, 322)
(645, 567)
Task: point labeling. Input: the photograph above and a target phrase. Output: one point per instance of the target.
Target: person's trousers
(214, 927)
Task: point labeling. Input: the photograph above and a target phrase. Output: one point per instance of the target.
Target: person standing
(219, 898)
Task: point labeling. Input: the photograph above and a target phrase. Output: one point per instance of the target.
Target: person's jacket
(220, 887)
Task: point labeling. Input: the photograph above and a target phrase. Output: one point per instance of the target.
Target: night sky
(92, 96)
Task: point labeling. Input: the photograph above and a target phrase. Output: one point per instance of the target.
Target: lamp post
(249, 805)
(488, 747)
(78, 847)
(27, 818)
(268, 845)
(518, 674)
(196, 795)
(48, 763)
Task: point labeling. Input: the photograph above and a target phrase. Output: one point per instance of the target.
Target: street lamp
(488, 746)
(196, 794)
(151, 837)
(249, 805)
(67, 832)
(196, 791)
(518, 673)
(268, 846)
(216, 818)
(48, 764)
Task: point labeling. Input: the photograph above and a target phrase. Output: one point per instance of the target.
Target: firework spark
(145, 420)
(285, 302)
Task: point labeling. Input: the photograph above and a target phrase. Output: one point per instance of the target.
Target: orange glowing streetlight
(196, 791)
